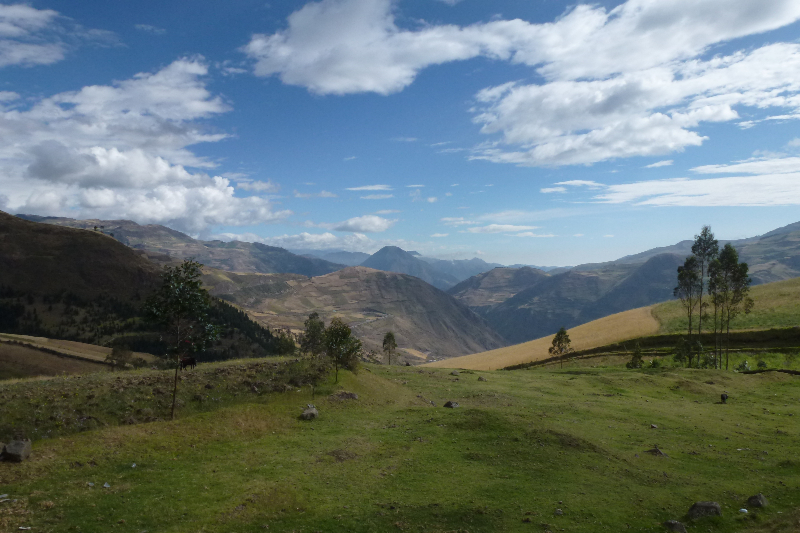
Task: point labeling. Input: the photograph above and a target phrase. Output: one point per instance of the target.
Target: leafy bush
(744, 366)
(762, 364)
(636, 358)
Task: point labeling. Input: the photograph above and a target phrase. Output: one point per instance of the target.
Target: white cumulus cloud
(365, 224)
(122, 151)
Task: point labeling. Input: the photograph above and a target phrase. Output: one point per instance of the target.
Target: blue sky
(530, 131)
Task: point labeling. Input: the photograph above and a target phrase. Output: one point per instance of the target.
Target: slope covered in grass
(520, 446)
(777, 305)
(615, 328)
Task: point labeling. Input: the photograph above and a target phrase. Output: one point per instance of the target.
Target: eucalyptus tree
(389, 345)
(734, 282)
(688, 289)
(705, 248)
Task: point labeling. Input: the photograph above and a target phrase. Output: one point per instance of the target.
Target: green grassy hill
(520, 446)
(777, 305)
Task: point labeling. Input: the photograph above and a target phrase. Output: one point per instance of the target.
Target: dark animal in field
(188, 362)
(724, 398)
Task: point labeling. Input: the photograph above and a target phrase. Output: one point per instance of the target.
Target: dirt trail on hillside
(607, 330)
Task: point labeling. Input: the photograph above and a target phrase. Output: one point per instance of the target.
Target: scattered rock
(701, 509)
(653, 426)
(655, 451)
(674, 525)
(724, 398)
(17, 450)
(451, 405)
(481, 378)
(310, 413)
(559, 512)
(454, 373)
(757, 501)
(344, 395)
(106, 485)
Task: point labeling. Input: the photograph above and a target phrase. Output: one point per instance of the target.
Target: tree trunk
(175, 389)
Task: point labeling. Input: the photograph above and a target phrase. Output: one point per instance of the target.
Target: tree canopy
(389, 345)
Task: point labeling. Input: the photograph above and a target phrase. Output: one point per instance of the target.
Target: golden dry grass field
(607, 330)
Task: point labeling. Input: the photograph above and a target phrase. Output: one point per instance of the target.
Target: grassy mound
(520, 446)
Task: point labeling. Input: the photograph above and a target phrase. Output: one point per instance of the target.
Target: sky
(517, 131)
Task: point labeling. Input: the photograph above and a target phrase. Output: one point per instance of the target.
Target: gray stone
(559, 512)
(17, 450)
(757, 501)
(701, 509)
(481, 378)
(454, 373)
(344, 395)
(310, 413)
(674, 525)
(451, 405)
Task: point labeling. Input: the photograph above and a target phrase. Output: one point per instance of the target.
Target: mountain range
(427, 323)
(164, 244)
(523, 305)
(518, 303)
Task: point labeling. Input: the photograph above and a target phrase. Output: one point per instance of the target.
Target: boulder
(701, 509)
(481, 378)
(344, 395)
(451, 405)
(454, 373)
(674, 525)
(757, 501)
(310, 413)
(17, 450)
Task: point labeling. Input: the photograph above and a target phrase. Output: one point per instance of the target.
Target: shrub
(744, 366)
(762, 364)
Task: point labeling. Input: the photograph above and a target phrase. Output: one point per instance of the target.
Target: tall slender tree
(705, 248)
(688, 288)
(389, 345)
(736, 281)
(716, 289)
(181, 307)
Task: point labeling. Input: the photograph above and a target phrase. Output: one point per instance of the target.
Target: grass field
(776, 305)
(607, 330)
(520, 446)
(21, 362)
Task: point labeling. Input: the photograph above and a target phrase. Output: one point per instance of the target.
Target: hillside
(519, 446)
(80, 285)
(394, 259)
(47, 259)
(233, 256)
(424, 319)
(607, 330)
(460, 269)
(489, 289)
(777, 305)
(568, 297)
